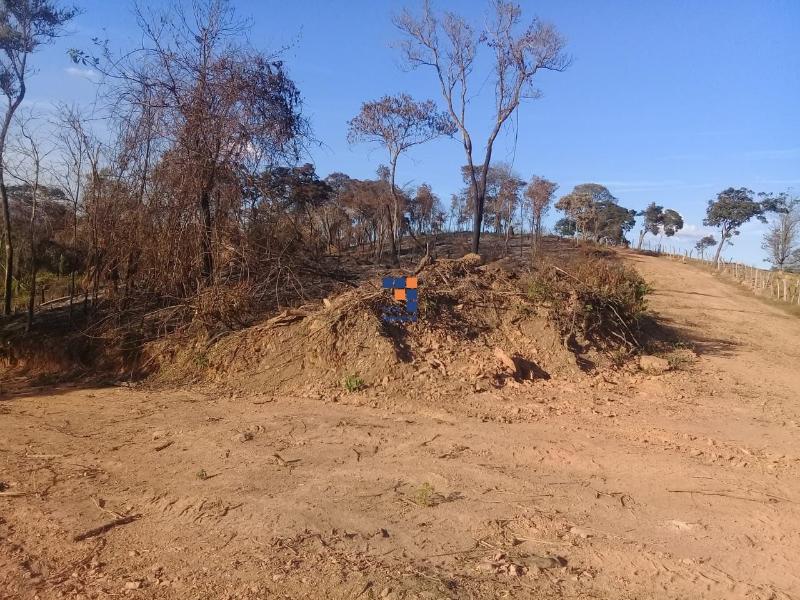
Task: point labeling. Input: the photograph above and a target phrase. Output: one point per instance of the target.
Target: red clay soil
(621, 485)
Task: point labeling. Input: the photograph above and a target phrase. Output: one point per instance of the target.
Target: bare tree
(24, 26)
(27, 169)
(398, 123)
(209, 111)
(72, 143)
(782, 238)
(97, 211)
(504, 200)
(83, 160)
(449, 45)
(540, 193)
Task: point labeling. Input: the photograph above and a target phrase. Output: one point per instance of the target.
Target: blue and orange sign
(406, 291)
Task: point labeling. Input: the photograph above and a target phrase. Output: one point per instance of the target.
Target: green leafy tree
(613, 222)
(704, 242)
(596, 213)
(566, 227)
(580, 205)
(671, 223)
(733, 208)
(24, 26)
(657, 220)
(653, 216)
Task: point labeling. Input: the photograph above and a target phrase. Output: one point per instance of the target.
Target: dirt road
(626, 485)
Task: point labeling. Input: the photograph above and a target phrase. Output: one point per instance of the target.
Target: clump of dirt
(478, 330)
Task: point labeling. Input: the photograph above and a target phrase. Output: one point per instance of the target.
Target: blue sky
(667, 101)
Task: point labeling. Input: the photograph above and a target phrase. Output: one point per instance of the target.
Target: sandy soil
(625, 485)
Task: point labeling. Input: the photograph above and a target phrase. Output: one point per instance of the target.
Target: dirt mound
(478, 330)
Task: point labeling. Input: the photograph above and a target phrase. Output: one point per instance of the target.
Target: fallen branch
(425, 443)
(105, 527)
(285, 463)
(538, 541)
(724, 494)
(54, 300)
(100, 504)
(161, 447)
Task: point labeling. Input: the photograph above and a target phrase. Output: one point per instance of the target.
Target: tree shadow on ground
(33, 387)
(665, 290)
(662, 334)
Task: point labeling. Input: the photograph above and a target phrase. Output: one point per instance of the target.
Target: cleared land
(621, 485)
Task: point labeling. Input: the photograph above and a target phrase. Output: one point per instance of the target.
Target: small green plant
(202, 475)
(425, 495)
(353, 383)
(540, 291)
(200, 360)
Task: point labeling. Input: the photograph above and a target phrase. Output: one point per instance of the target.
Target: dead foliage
(481, 325)
(592, 300)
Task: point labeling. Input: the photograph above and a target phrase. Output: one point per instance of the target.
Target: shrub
(596, 299)
(353, 383)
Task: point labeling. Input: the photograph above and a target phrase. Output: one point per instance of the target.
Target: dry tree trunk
(207, 258)
(8, 241)
(32, 241)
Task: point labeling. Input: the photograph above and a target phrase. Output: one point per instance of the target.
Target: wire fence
(776, 285)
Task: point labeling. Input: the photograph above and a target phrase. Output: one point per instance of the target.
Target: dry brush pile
(481, 326)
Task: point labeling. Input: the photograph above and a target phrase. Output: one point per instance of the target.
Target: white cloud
(89, 74)
(692, 232)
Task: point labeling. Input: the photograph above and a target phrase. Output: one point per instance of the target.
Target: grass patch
(353, 383)
(680, 360)
(425, 495)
